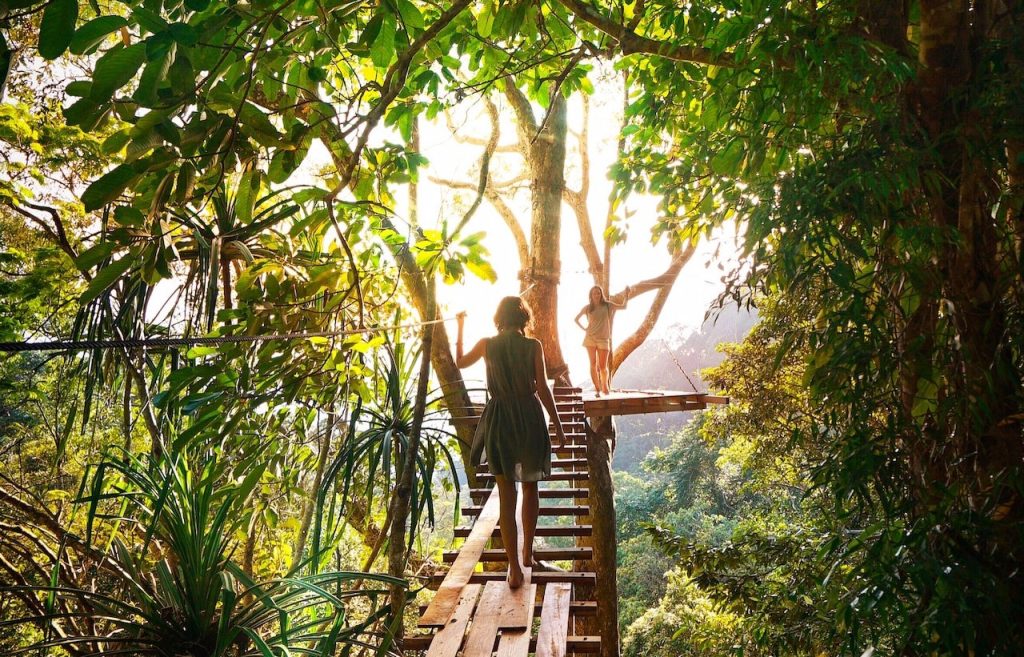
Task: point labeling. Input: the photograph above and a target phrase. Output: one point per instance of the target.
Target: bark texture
(604, 541)
(546, 161)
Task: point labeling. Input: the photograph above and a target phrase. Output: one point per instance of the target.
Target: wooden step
(555, 463)
(567, 463)
(446, 641)
(544, 510)
(573, 643)
(555, 476)
(554, 621)
(577, 643)
(576, 607)
(542, 530)
(545, 554)
(447, 598)
(570, 450)
(499, 608)
(542, 577)
(545, 493)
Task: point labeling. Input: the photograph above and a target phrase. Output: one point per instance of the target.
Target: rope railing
(136, 343)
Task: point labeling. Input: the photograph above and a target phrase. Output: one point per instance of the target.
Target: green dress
(513, 431)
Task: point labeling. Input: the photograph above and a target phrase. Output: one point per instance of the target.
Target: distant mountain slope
(665, 364)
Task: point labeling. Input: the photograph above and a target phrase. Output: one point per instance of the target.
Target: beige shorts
(606, 345)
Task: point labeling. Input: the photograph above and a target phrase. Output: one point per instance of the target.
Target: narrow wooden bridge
(474, 613)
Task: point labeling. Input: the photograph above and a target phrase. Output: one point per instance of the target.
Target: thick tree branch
(475, 141)
(394, 82)
(518, 234)
(631, 43)
(55, 233)
(577, 200)
(662, 285)
(485, 168)
(526, 122)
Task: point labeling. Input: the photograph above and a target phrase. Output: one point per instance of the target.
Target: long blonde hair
(590, 298)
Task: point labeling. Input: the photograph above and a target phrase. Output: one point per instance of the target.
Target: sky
(636, 259)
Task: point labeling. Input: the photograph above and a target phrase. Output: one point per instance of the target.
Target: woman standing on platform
(512, 429)
(598, 339)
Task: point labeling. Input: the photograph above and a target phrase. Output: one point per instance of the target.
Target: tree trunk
(309, 505)
(603, 540)
(547, 173)
(406, 476)
(449, 376)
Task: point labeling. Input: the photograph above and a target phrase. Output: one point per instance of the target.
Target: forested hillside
(674, 362)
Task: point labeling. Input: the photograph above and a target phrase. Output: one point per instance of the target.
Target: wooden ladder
(474, 613)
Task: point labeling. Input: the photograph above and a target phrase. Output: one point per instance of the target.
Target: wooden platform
(475, 613)
(637, 402)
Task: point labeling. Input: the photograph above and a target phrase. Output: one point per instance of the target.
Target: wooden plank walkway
(474, 613)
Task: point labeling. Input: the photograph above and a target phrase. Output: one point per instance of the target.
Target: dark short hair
(512, 313)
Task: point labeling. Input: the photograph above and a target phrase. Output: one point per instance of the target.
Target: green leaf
(126, 215)
(281, 165)
(257, 125)
(85, 113)
(482, 269)
(726, 162)
(411, 16)
(181, 75)
(88, 37)
(184, 34)
(108, 187)
(116, 141)
(248, 188)
(149, 20)
(154, 73)
(186, 183)
(485, 21)
(93, 256)
(115, 69)
(383, 48)
(107, 277)
(78, 88)
(57, 28)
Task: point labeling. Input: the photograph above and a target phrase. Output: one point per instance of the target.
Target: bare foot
(515, 578)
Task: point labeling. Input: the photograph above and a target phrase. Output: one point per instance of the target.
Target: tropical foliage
(234, 170)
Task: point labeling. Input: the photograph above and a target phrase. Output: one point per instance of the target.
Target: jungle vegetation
(861, 495)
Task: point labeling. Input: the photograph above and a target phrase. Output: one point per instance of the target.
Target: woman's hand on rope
(460, 319)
